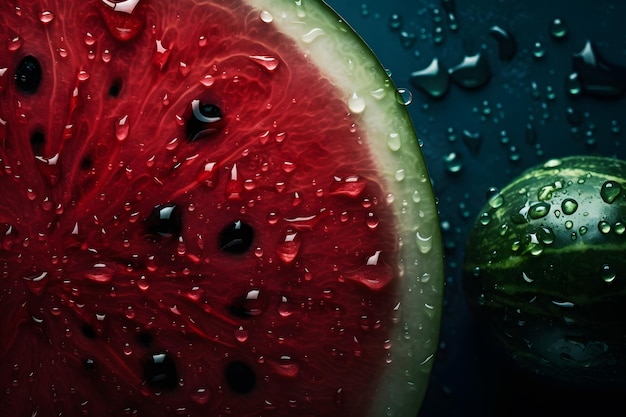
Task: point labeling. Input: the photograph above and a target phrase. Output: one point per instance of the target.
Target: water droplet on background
(473, 72)
(558, 28)
(506, 42)
(433, 80)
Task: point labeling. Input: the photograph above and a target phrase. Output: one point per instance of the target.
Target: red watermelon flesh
(192, 221)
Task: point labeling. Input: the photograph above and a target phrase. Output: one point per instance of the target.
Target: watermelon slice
(208, 208)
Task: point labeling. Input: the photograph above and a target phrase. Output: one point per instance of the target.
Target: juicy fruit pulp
(201, 216)
(545, 267)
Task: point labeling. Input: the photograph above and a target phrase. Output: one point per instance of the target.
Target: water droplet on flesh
(288, 249)
(46, 16)
(597, 76)
(122, 128)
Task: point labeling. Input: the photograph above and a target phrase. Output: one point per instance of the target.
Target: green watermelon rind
(559, 284)
(345, 59)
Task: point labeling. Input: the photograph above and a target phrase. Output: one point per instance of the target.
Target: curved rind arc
(350, 65)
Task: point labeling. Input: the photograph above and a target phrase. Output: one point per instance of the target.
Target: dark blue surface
(469, 378)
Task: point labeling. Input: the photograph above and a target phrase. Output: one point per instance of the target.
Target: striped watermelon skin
(545, 267)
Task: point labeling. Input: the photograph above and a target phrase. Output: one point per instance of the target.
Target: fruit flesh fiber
(89, 280)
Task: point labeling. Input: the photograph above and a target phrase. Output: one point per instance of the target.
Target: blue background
(469, 378)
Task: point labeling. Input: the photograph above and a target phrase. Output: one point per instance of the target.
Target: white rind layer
(369, 92)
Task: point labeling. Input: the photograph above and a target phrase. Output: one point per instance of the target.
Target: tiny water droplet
(284, 308)
(538, 50)
(266, 16)
(432, 80)
(473, 72)
(372, 220)
(106, 56)
(453, 163)
(404, 96)
(201, 396)
(100, 273)
(36, 283)
(288, 249)
(506, 42)
(122, 128)
(270, 63)
(604, 227)
(207, 80)
(285, 366)
(473, 141)
(558, 28)
(597, 76)
(161, 55)
(494, 198)
(350, 186)
(356, 103)
(394, 141)
(241, 334)
(46, 16)
(569, 206)
(610, 191)
(15, 43)
(313, 34)
(395, 21)
(539, 210)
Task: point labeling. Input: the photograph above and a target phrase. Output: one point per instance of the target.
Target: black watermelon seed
(88, 331)
(86, 163)
(28, 75)
(236, 237)
(145, 338)
(37, 142)
(115, 88)
(160, 372)
(204, 120)
(240, 377)
(165, 220)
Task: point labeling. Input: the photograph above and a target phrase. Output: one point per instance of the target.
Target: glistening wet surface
(498, 86)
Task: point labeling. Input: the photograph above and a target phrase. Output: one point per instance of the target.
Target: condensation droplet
(558, 28)
(610, 191)
(313, 34)
(266, 16)
(356, 104)
(569, 206)
(122, 128)
(394, 142)
(46, 16)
